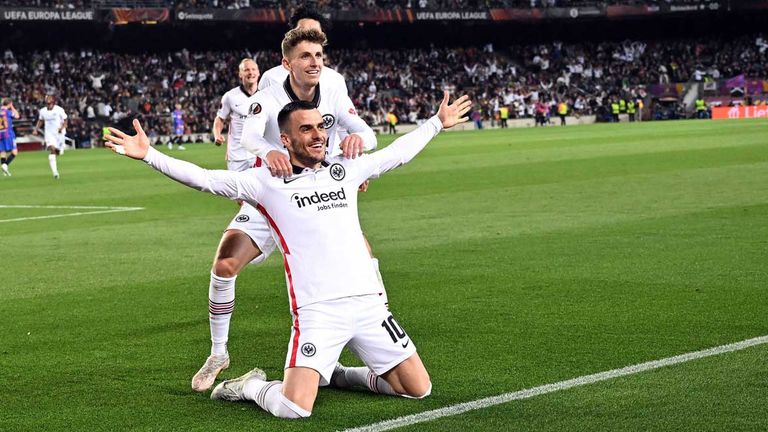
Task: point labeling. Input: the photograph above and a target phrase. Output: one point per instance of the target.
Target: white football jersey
(278, 74)
(53, 119)
(312, 215)
(261, 133)
(236, 106)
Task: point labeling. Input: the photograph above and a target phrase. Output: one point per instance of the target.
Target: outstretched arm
(230, 184)
(405, 148)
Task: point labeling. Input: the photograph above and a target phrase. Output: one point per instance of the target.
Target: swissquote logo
(323, 201)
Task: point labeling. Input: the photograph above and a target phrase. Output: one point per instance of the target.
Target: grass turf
(513, 258)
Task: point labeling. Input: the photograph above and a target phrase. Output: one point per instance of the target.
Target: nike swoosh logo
(288, 180)
(406, 343)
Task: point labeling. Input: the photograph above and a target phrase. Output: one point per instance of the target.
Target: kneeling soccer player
(332, 285)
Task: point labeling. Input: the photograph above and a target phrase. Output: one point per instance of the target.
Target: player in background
(306, 18)
(177, 117)
(236, 105)
(334, 303)
(247, 239)
(8, 150)
(55, 120)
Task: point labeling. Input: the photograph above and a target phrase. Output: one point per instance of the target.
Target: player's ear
(285, 140)
(286, 64)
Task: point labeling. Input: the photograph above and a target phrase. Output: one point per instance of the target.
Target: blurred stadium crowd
(98, 87)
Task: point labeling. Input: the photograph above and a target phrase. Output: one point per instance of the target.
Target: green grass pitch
(514, 258)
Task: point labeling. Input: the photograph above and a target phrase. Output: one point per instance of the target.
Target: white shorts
(253, 224)
(362, 323)
(54, 140)
(240, 165)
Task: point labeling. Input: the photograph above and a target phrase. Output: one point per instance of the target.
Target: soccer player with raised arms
(334, 303)
(248, 239)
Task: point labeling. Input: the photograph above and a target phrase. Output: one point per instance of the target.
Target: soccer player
(248, 238)
(55, 120)
(236, 105)
(306, 18)
(177, 116)
(8, 150)
(334, 303)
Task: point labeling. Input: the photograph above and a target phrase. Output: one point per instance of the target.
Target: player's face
(306, 137)
(249, 73)
(305, 63)
(50, 102)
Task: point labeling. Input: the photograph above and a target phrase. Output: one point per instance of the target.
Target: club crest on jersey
(328, 121)
(255, 108)
(242, 218)
(308, 349)
(338, 172)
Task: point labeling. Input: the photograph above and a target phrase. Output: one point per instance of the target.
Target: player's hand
(352, 146)
(364, 187)
(453, 114)
(279, 165)
(134, 146)
(219, 140)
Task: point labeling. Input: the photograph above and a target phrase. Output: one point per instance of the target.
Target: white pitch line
(96, 210)
(549, 388)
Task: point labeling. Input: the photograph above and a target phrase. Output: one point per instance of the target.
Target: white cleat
(232, 390)
(204, 378)
(55, 176)
(181, 147)
(5, 170)
(170, 145)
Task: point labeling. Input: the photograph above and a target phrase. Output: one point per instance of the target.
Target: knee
(226, 267)
(421, 390)
(288, 409)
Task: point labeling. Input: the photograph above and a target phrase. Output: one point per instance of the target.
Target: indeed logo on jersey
(323, 201)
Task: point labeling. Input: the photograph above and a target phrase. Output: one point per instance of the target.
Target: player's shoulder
(231, 92)
(270, 96)
(272, 77)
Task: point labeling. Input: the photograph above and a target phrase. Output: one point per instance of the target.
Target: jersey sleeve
(62, 113)
(240, 185)
(224, 109)
(353, 124)
(400, 152)
(255, 126)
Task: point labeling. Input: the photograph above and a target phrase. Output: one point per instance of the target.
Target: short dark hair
(285, 113)
(307, 12)
(297, 36)
(7, 101)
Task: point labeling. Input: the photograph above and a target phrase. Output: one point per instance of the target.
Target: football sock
(2, 161)
(364, 377)
(52, 163)
(10, 159)
(221, 303)
(269, 396)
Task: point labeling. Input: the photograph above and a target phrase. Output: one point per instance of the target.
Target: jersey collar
(294, 98)
(245, 92)
(299, 170)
